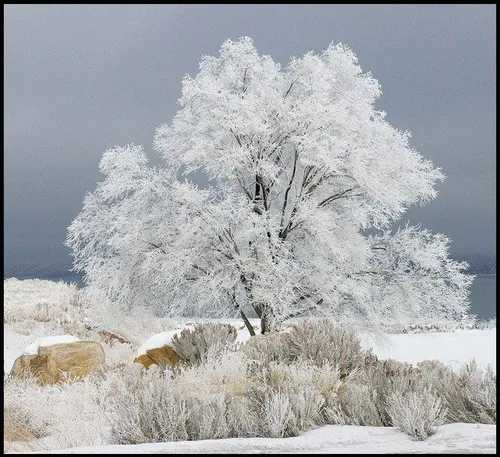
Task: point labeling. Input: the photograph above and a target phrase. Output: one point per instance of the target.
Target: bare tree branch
(334, 197)
(156, 246)
(285, 201)
(290, 88)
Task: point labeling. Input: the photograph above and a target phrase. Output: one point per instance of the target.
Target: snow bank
(451, 348)
(330, 439)
(32, 349)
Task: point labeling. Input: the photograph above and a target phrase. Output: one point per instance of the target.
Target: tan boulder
(25, 365)
(164, 356)
(56, 363)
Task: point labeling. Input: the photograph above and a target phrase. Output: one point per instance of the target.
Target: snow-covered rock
(159, 340)
(57, 362)
(32, 349)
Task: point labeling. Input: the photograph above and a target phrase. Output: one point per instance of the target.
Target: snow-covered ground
(453, 348)
(330, 439)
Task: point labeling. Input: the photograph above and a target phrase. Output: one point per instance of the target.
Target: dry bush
(205, 340)
(277, 418)
(227, 375)
(355, 405)
(318, 341)
(77, 412)
(297, 376)
(146, 408)
(322, 341)
(385, 393)
(198, 402)
(416, 413)
(307, 407)
(217, 399)
(469, 395)
(29, 302)
(382, 379)
(217, 393)
(208, 417)
(242, 417)
(71, 412)
(21, 423)
(305, 386)
(118, 355)
(269, 347)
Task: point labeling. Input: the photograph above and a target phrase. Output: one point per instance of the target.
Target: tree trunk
(247, 323)
(264, 323)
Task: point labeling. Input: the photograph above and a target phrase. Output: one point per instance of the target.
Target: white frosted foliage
(307, 180)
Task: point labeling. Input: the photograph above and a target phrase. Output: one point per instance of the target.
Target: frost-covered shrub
(487, 324)
(305, 387)
(208, 417)
(220, 398)
(307, 406)
(118, 355)
(319, 341)
(217, 393)
(40, 301)
(228, 375)
(19, 422)
(469, 394)
(242, 417)
(416, 413)
(355, 405)
(323, 341)
(148, 410)
(277, 418)
(198, 402)
(383, 378)
(294, 376)
(269, 347)
(361, 398)
(429, 323)
(479, 395)
(73, 413)
(205, 340)
(76, 412)
(383, 393)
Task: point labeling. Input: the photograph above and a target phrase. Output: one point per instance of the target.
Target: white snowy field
(330, 439)
(454, 348)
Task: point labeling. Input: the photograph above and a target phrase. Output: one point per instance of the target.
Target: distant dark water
(483, 296)
(483, 292)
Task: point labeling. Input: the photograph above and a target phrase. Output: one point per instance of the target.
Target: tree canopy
(306, 181)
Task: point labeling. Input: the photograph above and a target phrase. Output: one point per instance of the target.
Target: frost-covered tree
(306, 179)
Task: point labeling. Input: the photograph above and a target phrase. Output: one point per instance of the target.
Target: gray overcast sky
(79, 79)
